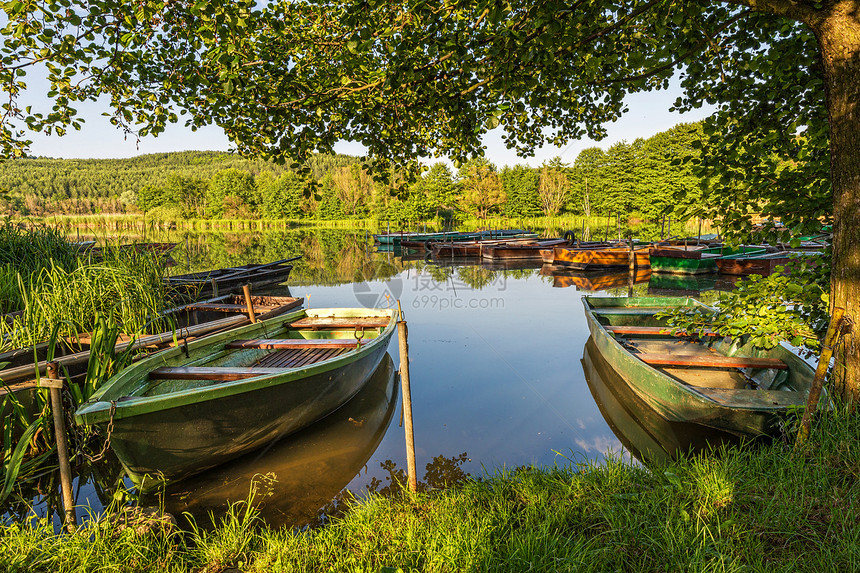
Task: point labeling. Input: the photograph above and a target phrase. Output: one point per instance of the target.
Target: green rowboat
(710, 381)
(193, 407)
(677, 260)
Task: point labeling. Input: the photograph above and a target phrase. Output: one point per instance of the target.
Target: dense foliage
(639, 177)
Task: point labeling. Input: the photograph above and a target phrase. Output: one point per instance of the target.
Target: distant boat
(396, 238)
(710, 381)
(592, 259)
(231, 279)
(520, 250)
(198, 405)
(694, 259)
(747, 264)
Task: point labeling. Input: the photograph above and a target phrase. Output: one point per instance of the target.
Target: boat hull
(588, 259)
(171, 444)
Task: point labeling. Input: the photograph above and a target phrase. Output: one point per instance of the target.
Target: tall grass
(124, 289)
(25, 252)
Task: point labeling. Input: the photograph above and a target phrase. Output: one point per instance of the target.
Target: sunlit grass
(755, 508)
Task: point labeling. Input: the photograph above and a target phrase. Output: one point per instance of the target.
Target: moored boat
(760, 264)
(711, 380)
(193, 407)
(640, 429)
(696, 259)
(591, 259)
(529, 250)
(231, 279)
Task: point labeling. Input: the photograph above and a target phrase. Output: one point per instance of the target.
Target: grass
(125, 289)
(770, 508)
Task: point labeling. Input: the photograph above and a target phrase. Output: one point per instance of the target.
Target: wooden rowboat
(526, 250)
(440, 249)
(223, 281)
(639, 428)
(590, 259)
(711, 381)
(193, 407)
(694, 260)
(759, 264)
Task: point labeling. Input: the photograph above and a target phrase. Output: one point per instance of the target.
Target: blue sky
(648, 114)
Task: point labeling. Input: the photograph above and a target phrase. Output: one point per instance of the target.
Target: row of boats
(681, 256)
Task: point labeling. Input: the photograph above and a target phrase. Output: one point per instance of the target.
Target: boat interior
(296, 344)
(714, 365)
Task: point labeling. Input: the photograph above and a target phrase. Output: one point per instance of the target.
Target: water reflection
(302, 473)
(642, 431)
(591, 281)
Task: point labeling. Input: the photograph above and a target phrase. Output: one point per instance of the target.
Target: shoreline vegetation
(137, 223)
(759, 507)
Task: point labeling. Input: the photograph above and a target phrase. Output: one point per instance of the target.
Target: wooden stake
(632, 269)
(833, 331)
(246, 289)
(402, 335)
(70, 518)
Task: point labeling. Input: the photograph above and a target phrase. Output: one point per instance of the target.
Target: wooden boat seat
(273, 362)
(715, 361)
(651, 330)
(218, 373)
(291, 343)
(315, 323)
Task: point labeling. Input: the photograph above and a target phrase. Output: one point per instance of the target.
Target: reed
(125, 288)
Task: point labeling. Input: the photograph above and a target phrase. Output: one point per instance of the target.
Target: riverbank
(758, 508)
(594, 226)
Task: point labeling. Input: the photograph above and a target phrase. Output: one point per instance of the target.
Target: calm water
(501, 377)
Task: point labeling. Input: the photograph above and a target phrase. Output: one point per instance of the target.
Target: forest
(644, 178)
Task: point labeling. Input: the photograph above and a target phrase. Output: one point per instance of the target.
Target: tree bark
(837, 27)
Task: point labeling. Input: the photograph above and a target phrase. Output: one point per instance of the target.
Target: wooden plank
(284, 343)
(221, 374)
(635, 330)
(312, 322)
(228, 307)
(715, 361)
(643, 310)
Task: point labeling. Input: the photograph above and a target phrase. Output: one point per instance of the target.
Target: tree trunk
(838, 33)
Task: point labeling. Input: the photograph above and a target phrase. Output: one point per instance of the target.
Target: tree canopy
(415, 78)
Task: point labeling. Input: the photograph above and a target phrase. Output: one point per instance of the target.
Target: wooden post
(214, 286)
(246, 289)
(833, 331)
(606, 233)
(699, 237)
(663, 228)
(631, 268)
(402, 334)
(55, 382)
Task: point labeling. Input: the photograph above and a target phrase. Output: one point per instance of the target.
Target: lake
(500, 379)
